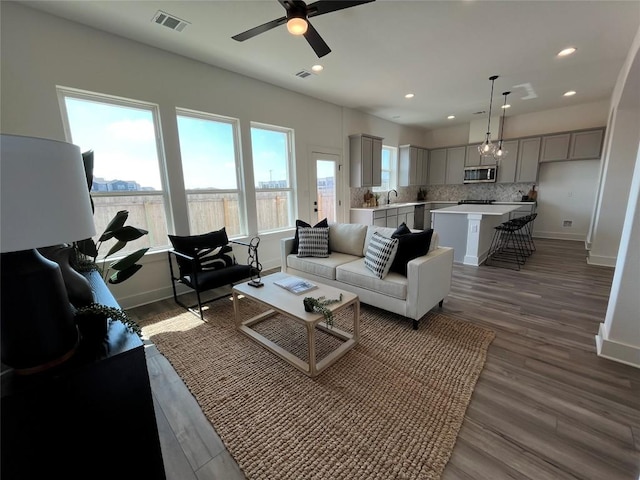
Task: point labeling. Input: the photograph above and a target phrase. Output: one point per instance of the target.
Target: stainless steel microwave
(480, 174)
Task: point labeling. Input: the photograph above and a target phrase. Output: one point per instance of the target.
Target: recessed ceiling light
(395, 117)
(409, 95)
(506, 106)
(317, 68)
(566, 51)
(451, 117)
(569, 93)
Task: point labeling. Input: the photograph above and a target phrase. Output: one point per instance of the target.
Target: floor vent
(174, 23)
(303, 74)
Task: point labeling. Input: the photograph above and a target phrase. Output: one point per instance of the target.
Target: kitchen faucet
(389, 193)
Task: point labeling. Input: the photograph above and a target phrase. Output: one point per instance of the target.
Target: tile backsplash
(501, 192)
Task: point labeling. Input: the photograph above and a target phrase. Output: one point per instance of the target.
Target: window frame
(103, 98)
(291, 176)
(393, 170)
(239, 191)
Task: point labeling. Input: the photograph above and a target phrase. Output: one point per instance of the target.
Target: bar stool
(507, 245)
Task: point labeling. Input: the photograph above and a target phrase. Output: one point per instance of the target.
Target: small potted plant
(319, 305)
(93, 321)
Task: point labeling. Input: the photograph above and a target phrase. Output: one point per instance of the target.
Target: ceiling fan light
(297, 26)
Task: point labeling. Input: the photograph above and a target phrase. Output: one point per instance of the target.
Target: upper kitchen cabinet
(528, 154)
(474, 159)
(413, 169)
(437, 166)
(508, 163)
(579, 145)
(365, 159)
(586, 145)
(555, 147)
(455, 165)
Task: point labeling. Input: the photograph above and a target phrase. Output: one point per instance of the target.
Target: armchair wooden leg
(440, 303)
(415, 324)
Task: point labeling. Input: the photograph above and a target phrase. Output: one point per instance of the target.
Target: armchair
(206, 262)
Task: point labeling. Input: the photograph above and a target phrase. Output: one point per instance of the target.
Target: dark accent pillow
(198, 245)
(302, 223)
(410, 246)
(401, 230)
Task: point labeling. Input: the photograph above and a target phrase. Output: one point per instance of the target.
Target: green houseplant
(319, 305)
(88, 251)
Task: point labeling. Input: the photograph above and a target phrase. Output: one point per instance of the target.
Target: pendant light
(488, 149)
(501, 152)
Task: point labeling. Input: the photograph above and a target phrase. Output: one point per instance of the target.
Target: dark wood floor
(545, 407)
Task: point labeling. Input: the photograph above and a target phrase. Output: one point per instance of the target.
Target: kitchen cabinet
(508, 163)
(555, 147)
(586, 145)
(365, 159)
(384, 217)
(528, 154)
(523, 210)
(413, 168)
(579, 145)
(454, 174)
(474, 159)
(437, 166)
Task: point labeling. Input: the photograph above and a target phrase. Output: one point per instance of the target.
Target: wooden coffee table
(281, 301)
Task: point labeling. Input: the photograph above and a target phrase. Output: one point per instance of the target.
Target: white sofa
(427, 283)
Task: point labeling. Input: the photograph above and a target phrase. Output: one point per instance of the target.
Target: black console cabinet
(90, 418)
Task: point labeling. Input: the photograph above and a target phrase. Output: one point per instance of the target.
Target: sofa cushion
(380, 254)
(347, 238)
(356, 274)
(313, 242)
(322, 267)
(410, 246)
(302, 223)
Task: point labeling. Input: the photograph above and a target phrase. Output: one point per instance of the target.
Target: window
(127, 155)
(389, 169)
(210, 165)
(273, 174)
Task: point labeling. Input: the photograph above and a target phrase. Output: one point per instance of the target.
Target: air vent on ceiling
(170, 21)
(303, 74)
(482, 112)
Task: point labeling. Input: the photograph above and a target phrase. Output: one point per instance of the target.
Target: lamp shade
(44, 198)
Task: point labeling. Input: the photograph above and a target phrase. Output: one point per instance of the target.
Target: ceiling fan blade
(327, 6)
(252, 32)
(316, 41)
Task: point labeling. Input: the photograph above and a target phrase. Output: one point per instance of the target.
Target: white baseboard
(150, 296)
(617, 351)
(601, 260)
(559, 235)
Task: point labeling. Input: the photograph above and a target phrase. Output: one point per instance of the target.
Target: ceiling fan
(297, 20)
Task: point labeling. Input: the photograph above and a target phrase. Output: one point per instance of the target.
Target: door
(325, 186)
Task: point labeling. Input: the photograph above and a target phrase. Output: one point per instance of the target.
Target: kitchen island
(469, 229)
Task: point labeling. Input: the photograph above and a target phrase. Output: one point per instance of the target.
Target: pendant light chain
(493, 79)
(501, 152)
(487, 149)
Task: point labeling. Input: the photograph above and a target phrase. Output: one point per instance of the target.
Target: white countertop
(391, 205)
(411, 204)
(478, 209)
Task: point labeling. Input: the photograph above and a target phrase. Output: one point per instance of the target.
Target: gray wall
(40, 52)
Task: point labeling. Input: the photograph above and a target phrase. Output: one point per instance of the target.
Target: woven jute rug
(389, 409)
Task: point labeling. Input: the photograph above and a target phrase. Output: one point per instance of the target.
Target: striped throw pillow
(380, 254)
(216, 258)
(313, 242)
